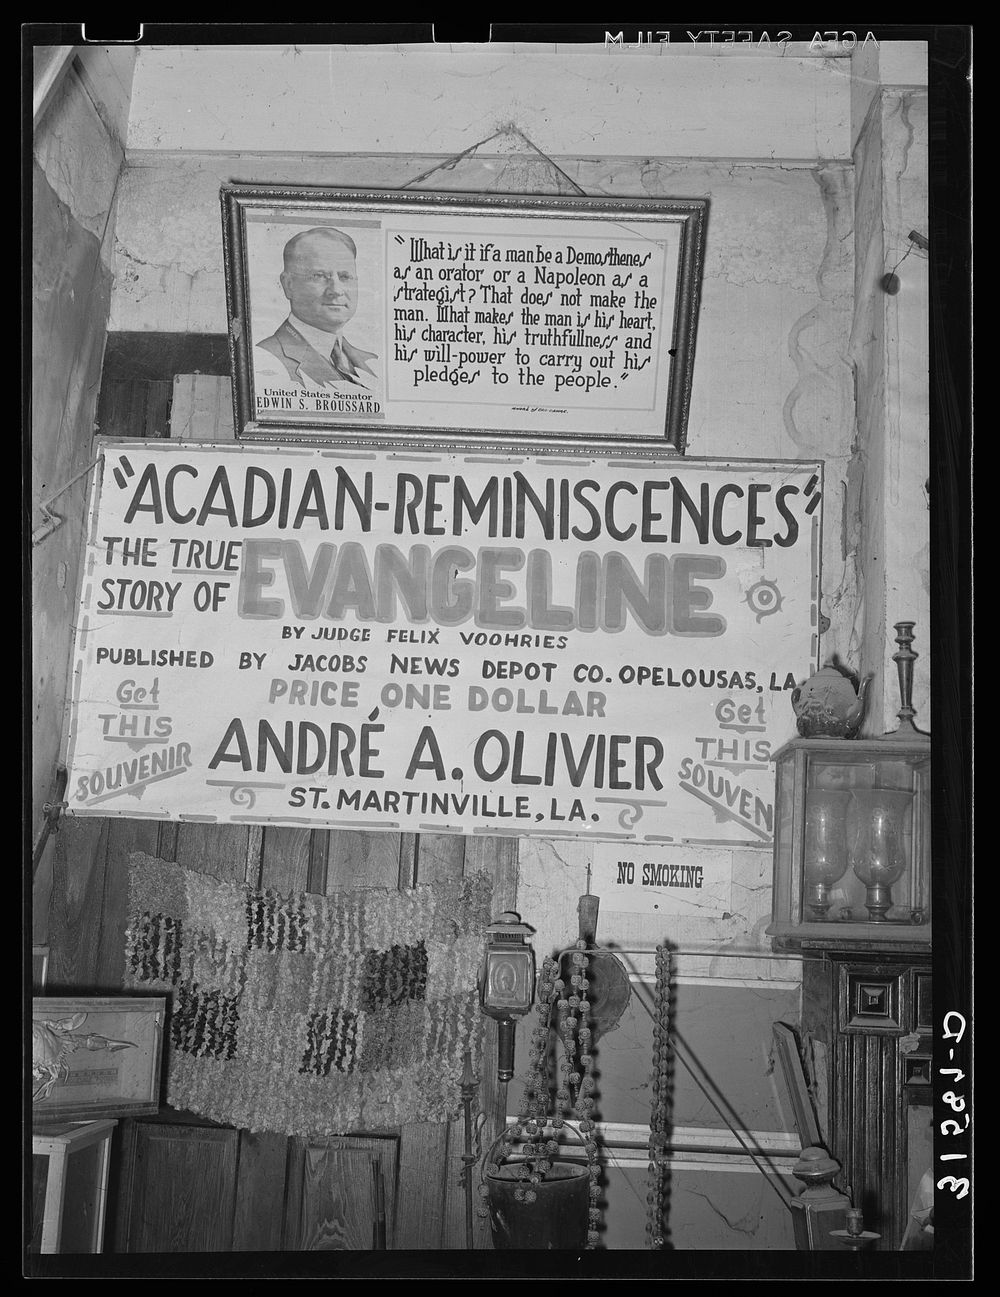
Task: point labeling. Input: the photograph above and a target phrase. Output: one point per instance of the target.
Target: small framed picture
(361, 313)
(94, 1057)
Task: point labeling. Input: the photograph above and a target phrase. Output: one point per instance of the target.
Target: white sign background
(583, 644)
(480, 321)
(694, 882)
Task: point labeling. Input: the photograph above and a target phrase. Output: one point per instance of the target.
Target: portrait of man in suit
(320, 281)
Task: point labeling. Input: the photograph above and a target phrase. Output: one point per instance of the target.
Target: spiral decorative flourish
(632, 808)
(764, 599)
(240, 792)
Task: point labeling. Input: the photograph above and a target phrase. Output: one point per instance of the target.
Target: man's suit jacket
(300, 357)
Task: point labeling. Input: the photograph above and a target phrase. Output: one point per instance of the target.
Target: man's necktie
(342, 365)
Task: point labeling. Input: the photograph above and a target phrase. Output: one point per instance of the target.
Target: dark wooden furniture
(872, 1011)
(184, 1185)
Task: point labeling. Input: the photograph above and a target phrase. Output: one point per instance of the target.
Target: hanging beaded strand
(585, 1101)
(659, 1114)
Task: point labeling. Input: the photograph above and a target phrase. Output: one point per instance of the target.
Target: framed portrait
(409, 315)
(95, 1056)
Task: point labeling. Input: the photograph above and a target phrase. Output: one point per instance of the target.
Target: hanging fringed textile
(310, 1015)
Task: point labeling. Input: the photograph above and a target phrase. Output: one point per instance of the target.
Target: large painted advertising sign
(587, 641)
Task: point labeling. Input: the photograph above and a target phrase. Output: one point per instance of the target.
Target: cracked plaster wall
(75, 171)
(307, 98)
(887, 523)
(908, 493)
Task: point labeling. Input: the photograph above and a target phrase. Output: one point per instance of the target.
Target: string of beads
(659, 1114)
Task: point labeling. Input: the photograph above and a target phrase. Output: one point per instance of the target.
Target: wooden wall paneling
(409, 851)
(453, 1231)
(178, 1188)
(285, 859)
(387, 1184)
(497, 857)
(253, 864)
(130, 407)
(166, 847)
(134, 410)
(89, 900)
(157, 410)
(121, 1197)
(869, 1149)
(425, 1168)
(356, 858)
(294, 1172)
(260, 1193)
(216, 849)
(277, 858)
(338, 1200)
(332, 1204)
(420, 1202)
(124, 837)
(159, 356)
(78, 866)
(113, 406)
(319, 846)
(440, 855)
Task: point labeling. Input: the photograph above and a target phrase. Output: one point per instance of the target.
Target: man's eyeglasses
(322, 278)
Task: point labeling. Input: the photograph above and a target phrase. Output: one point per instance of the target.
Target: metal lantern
(507, 982)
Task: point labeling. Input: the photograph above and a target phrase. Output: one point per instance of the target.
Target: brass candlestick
(904, 659)
(855, 1236)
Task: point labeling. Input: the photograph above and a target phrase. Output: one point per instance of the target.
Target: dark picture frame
(95, 1057)
(402, 314)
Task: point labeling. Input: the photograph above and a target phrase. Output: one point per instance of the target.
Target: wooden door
(341, 1194)
(179, 1187)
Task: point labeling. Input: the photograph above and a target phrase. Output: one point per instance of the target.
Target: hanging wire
(509, 131)
(515, 130)
(451, 162)
(916, 241)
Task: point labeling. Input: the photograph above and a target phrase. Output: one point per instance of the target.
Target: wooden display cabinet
(852, 892)
(69, 1186)
(852, 844)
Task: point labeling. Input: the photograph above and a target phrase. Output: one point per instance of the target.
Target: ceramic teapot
(827, 705)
